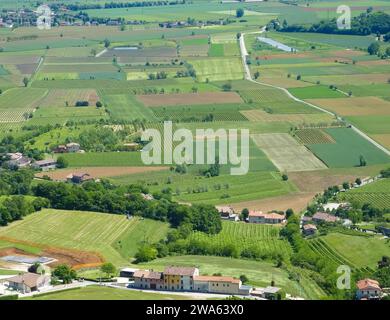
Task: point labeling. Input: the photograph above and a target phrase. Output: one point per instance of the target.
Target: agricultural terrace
(376, 194)
(86, 231)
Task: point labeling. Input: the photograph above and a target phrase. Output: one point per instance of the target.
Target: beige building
(265, 218)
(28, 282)
(219, 284)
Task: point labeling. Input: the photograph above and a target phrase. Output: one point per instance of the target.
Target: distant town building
(45, 165)
(368, 289)
(71, 147)
(324, 217)
(309, 229)
(265, 218)
(79, 177)
(227, 213)
(18, 160)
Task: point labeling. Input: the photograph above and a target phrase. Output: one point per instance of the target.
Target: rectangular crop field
(316, 92)
(189, 98)
(218, 69)
(126, 106)
(347, 150)
(313, 136)
(360, 106)
(68, 98)
(286, 153)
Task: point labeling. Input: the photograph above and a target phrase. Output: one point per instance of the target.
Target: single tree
(64, 273)
(109, 269)
(240, 12)
(62, 163)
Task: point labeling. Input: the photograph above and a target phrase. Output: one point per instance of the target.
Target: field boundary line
(248, 76)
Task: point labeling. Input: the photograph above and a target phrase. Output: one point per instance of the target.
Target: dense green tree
(64, 273)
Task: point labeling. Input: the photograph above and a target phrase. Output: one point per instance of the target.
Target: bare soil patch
(99, 172)
(297, 202)
(318, 181)
(360, 106)
(155, 100)
(27, 68)
(75, 258)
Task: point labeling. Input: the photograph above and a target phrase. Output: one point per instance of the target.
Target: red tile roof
(266, 215)
(366, 284)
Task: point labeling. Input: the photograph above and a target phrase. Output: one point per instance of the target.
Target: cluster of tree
(98, 139)
(376, 49)
(186, 73)
(213, 170)
(112, 5)
(158, 76)
(13, 208)
(364, 24)
(82, 104)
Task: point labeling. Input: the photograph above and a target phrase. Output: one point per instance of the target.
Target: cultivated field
(286, 153)
(85, 231)
(189, 98)
(376, 194)
(263, 238)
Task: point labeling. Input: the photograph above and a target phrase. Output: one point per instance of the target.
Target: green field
(104, 293)
(224, 189)
(347, 150)
(316, 92)
(376, 194)
(87, 231)
(218, 69)
(359, 250)
(265, 238)
(126, 107)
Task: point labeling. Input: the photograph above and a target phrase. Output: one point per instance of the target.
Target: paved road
(248, 76)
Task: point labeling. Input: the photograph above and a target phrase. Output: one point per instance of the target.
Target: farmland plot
(63, 98)
(264, 238)
(360, 106)
(314, 136)
(377, 194)
(218, 69)
(286, 153)
(347, 150)
(192, 98)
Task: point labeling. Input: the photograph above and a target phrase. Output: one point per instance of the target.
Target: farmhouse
(28, 282)
(324, 217)
(270, 218)
(71, 147)
(180, 278)
(45, 165)
(128, 273)
(79, 177)
(145, 279)
(218, 284)
(309, 229)
(18, 160)
(227, 213)
(368, 289)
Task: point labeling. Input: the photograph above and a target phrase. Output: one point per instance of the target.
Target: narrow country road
(248, 76)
